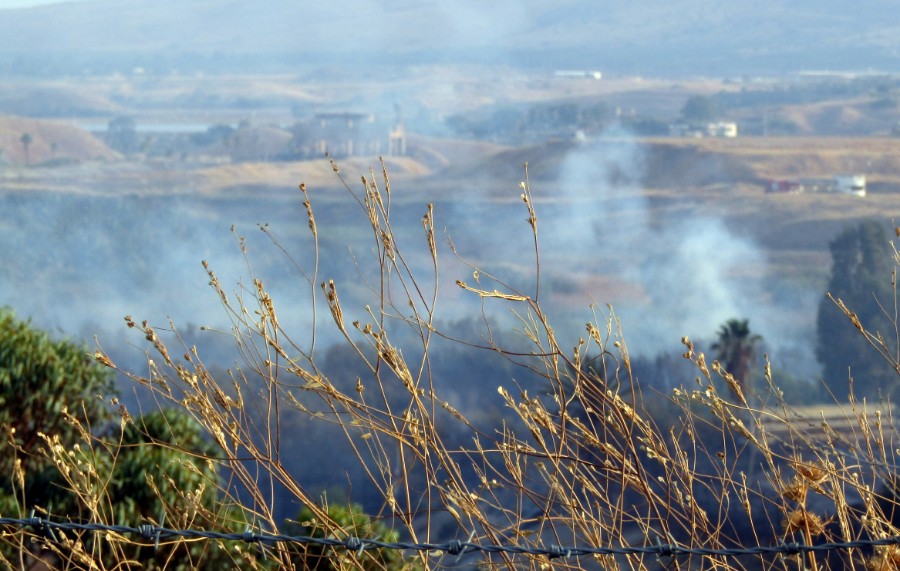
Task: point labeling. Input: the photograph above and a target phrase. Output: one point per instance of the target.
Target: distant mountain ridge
(650, 37)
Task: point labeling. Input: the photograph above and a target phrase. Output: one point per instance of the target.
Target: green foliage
(735, 348)
(781, 126)
(346, 521)
(700, 109)
(63, 455)
(795, 390)
(41, 381)
(122, 135)
(515, 123)
(157, 451)
(159, 468)
(646, 126)
(26, 142)
(861, 277)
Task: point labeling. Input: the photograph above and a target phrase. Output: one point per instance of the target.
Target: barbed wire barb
(455, 547)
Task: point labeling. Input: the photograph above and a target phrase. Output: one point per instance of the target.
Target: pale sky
(4, 4)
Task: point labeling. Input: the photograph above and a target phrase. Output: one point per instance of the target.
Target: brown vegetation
(577, 460)
(49, 140)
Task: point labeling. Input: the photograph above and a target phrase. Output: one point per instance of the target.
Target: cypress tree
(862, 277)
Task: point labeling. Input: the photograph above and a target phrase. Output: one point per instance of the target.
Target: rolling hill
(50, 140)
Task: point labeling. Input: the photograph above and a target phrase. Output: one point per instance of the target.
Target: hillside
(50, 140)
(680, 178)
(244, 178)
(695, 163)
(787, 157)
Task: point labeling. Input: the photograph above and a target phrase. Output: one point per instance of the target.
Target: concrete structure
(725, 129)
(343, 134)
(854, 184)
(397, 141)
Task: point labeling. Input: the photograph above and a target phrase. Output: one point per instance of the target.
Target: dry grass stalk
(580, 462)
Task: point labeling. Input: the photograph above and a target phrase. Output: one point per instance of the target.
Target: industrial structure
(347, 134)
(725, 129)
(854, 184)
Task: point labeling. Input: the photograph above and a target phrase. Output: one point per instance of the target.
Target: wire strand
(155, 534)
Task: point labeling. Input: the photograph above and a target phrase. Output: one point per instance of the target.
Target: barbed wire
(156, 534)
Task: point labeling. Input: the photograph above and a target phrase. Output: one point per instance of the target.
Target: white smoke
(679, 268)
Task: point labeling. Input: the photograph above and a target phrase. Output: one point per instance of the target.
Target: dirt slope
(50, 140)
(767, 158)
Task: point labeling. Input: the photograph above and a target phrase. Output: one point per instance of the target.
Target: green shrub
(343, 522)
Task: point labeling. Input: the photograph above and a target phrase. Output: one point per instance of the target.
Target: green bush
(351, 521)
(42, 383)
(66, 459)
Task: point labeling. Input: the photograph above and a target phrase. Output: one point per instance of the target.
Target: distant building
(683, 130)
(578, 74)
(347, 134)
(397, 141)
(725, 129)
(785, 186)
(854, 184)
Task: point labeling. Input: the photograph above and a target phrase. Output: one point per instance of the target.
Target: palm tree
(736, 349)
(26, 141)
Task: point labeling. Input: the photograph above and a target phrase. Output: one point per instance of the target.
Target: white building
(725, 129)
(850, 184)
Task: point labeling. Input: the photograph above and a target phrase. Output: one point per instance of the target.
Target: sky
(7, 4)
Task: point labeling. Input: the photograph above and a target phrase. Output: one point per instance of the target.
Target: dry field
(726, 178)
(794, 228)
(49, 140)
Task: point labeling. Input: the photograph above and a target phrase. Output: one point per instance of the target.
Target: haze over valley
(153, 128)
(693, 168)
